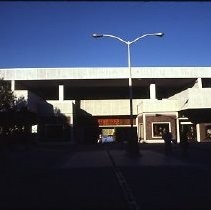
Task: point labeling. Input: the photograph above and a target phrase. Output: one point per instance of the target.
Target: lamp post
(133, 142)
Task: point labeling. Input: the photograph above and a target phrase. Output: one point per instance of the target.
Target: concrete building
(96, 100)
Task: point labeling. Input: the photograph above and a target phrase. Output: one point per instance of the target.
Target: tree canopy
(7, 98)
(14, 119)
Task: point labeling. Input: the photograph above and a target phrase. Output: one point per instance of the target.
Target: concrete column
(178, 131)
(12, 85)
(144, 125)
(198, 83)
(61, 92)
(198, 136)
(152, 91)
(137, 126)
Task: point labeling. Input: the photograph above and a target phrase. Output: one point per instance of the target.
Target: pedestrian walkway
(103, 177)
(88, 159)
(147, 158)
(101, 159)
(146, 180)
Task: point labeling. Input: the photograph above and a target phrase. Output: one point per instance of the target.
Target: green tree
(15, 118)
(7, 97)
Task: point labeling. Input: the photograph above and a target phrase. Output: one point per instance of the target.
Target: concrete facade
(161, 97)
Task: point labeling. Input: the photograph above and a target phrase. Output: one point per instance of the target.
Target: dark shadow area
(54, 128)
(16, 123)
(86, 128)
(198, 115)
(47, 179)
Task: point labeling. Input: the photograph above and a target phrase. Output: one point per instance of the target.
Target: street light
(133, 142)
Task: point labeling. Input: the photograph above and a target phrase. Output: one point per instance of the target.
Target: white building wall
(104, 73)
(154, 105)
(193, 98)
(66, 106)
(109, 107)
(21, 94)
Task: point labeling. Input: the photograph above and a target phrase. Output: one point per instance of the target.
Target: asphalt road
(105, 177)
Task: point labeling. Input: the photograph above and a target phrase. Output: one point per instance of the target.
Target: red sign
(106, 121)
(109, 121)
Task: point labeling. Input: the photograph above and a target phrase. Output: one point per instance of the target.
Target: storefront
(117, 127)
(151, 126)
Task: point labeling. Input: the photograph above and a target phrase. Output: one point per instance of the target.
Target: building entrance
(116, 134)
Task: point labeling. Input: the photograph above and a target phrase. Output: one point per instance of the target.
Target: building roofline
(103, 73)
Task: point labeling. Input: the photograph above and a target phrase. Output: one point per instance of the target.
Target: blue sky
(58, 34)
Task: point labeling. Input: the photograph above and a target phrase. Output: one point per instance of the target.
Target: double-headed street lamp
(128, 43)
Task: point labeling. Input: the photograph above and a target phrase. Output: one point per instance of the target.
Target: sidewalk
(134, 175)
(101, 178)
(101, 159)
(152, 180)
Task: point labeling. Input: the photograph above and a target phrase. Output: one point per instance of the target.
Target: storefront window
(158, 127)
(208, 132)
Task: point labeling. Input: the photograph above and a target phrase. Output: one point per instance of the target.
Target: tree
(7, 97)
(15, 118)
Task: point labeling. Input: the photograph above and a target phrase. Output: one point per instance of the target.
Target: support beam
(177, 127)
(145, 129)
(198, 83)
(152, 91)
(61, 92)
(12, 85)
(198, 136)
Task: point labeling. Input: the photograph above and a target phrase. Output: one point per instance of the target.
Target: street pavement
(105, 177)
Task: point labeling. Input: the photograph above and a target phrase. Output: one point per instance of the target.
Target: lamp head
(159, 34)
(97, 35)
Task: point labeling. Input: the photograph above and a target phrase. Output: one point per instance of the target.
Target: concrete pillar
(137, 126)
(198, 83)
(177, 125)
(12, 85)
(61, 92)
(198, 136)
(152, 91)
(144, 125)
